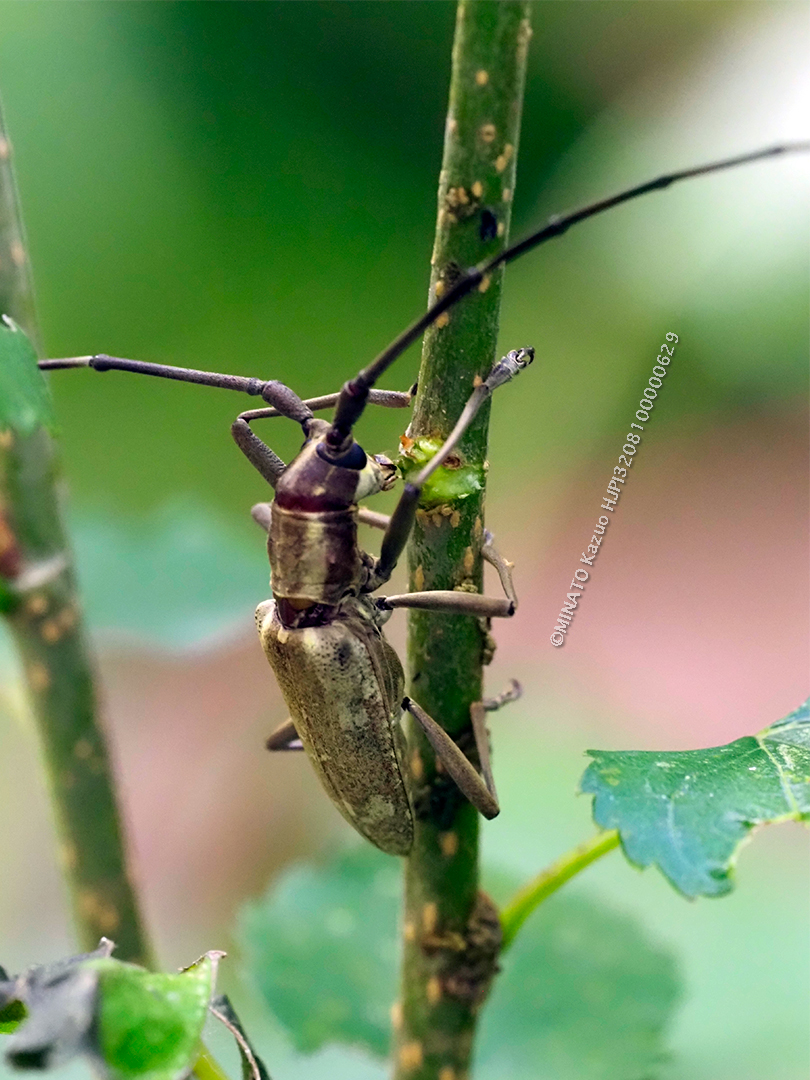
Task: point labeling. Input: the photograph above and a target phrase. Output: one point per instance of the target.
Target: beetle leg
(285, 737)
(402, 519)
(262, 514)
(372, 518)
(450, 602)
(259, 454)
(478, 711)
(480, 790)
(502, 565)
(513, 691)
(389, 399)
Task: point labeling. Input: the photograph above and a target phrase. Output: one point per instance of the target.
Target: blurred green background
(250, 187)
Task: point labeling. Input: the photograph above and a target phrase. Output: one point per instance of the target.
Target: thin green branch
(520, 907)
(41, 606)
(40, 601)
(451, 930)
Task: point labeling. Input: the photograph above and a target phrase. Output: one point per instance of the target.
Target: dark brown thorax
(312, 542)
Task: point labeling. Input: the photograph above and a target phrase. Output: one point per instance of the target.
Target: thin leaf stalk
(548, 881)
(451, 931)
(41, 606)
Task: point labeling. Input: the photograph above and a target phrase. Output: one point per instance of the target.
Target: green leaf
(688, 812)
(25, 403)
(322, 948)
(582, 996)
(59, 1001)
(12, 1015)
(149, 1024)
(12, 1010)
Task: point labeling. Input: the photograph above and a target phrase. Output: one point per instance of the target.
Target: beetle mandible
(322, 631)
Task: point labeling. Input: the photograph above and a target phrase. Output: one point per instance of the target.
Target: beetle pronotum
(322, 631)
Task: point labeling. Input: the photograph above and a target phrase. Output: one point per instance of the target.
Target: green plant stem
(41, 606)
(451, 930)
(44, 619)
(520, 907)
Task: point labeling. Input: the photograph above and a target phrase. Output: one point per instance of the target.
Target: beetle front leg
(373, 518)
(258, 453)
(285, 737)
(402, 519)
(388, 399)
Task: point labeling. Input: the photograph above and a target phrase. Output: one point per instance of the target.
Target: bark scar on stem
(470, 961)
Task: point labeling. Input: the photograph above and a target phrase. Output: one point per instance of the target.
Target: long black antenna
(269, 389)
(354, 393)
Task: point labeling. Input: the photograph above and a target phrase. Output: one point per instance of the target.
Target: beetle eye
(354, 458)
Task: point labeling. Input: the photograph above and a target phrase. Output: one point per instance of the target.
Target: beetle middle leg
(452, 602)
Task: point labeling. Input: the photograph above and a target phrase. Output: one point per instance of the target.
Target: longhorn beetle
(322, 631)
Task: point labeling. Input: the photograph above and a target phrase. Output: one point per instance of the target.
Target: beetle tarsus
(513, 692)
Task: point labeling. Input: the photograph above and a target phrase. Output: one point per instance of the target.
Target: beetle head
(374, 472)
(380, 474)
(319, 479)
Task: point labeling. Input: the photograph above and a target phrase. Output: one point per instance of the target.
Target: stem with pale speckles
(451, 930)
(41, 606)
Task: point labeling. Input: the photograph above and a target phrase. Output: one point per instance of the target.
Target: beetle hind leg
(479, 788)
(285, 737)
